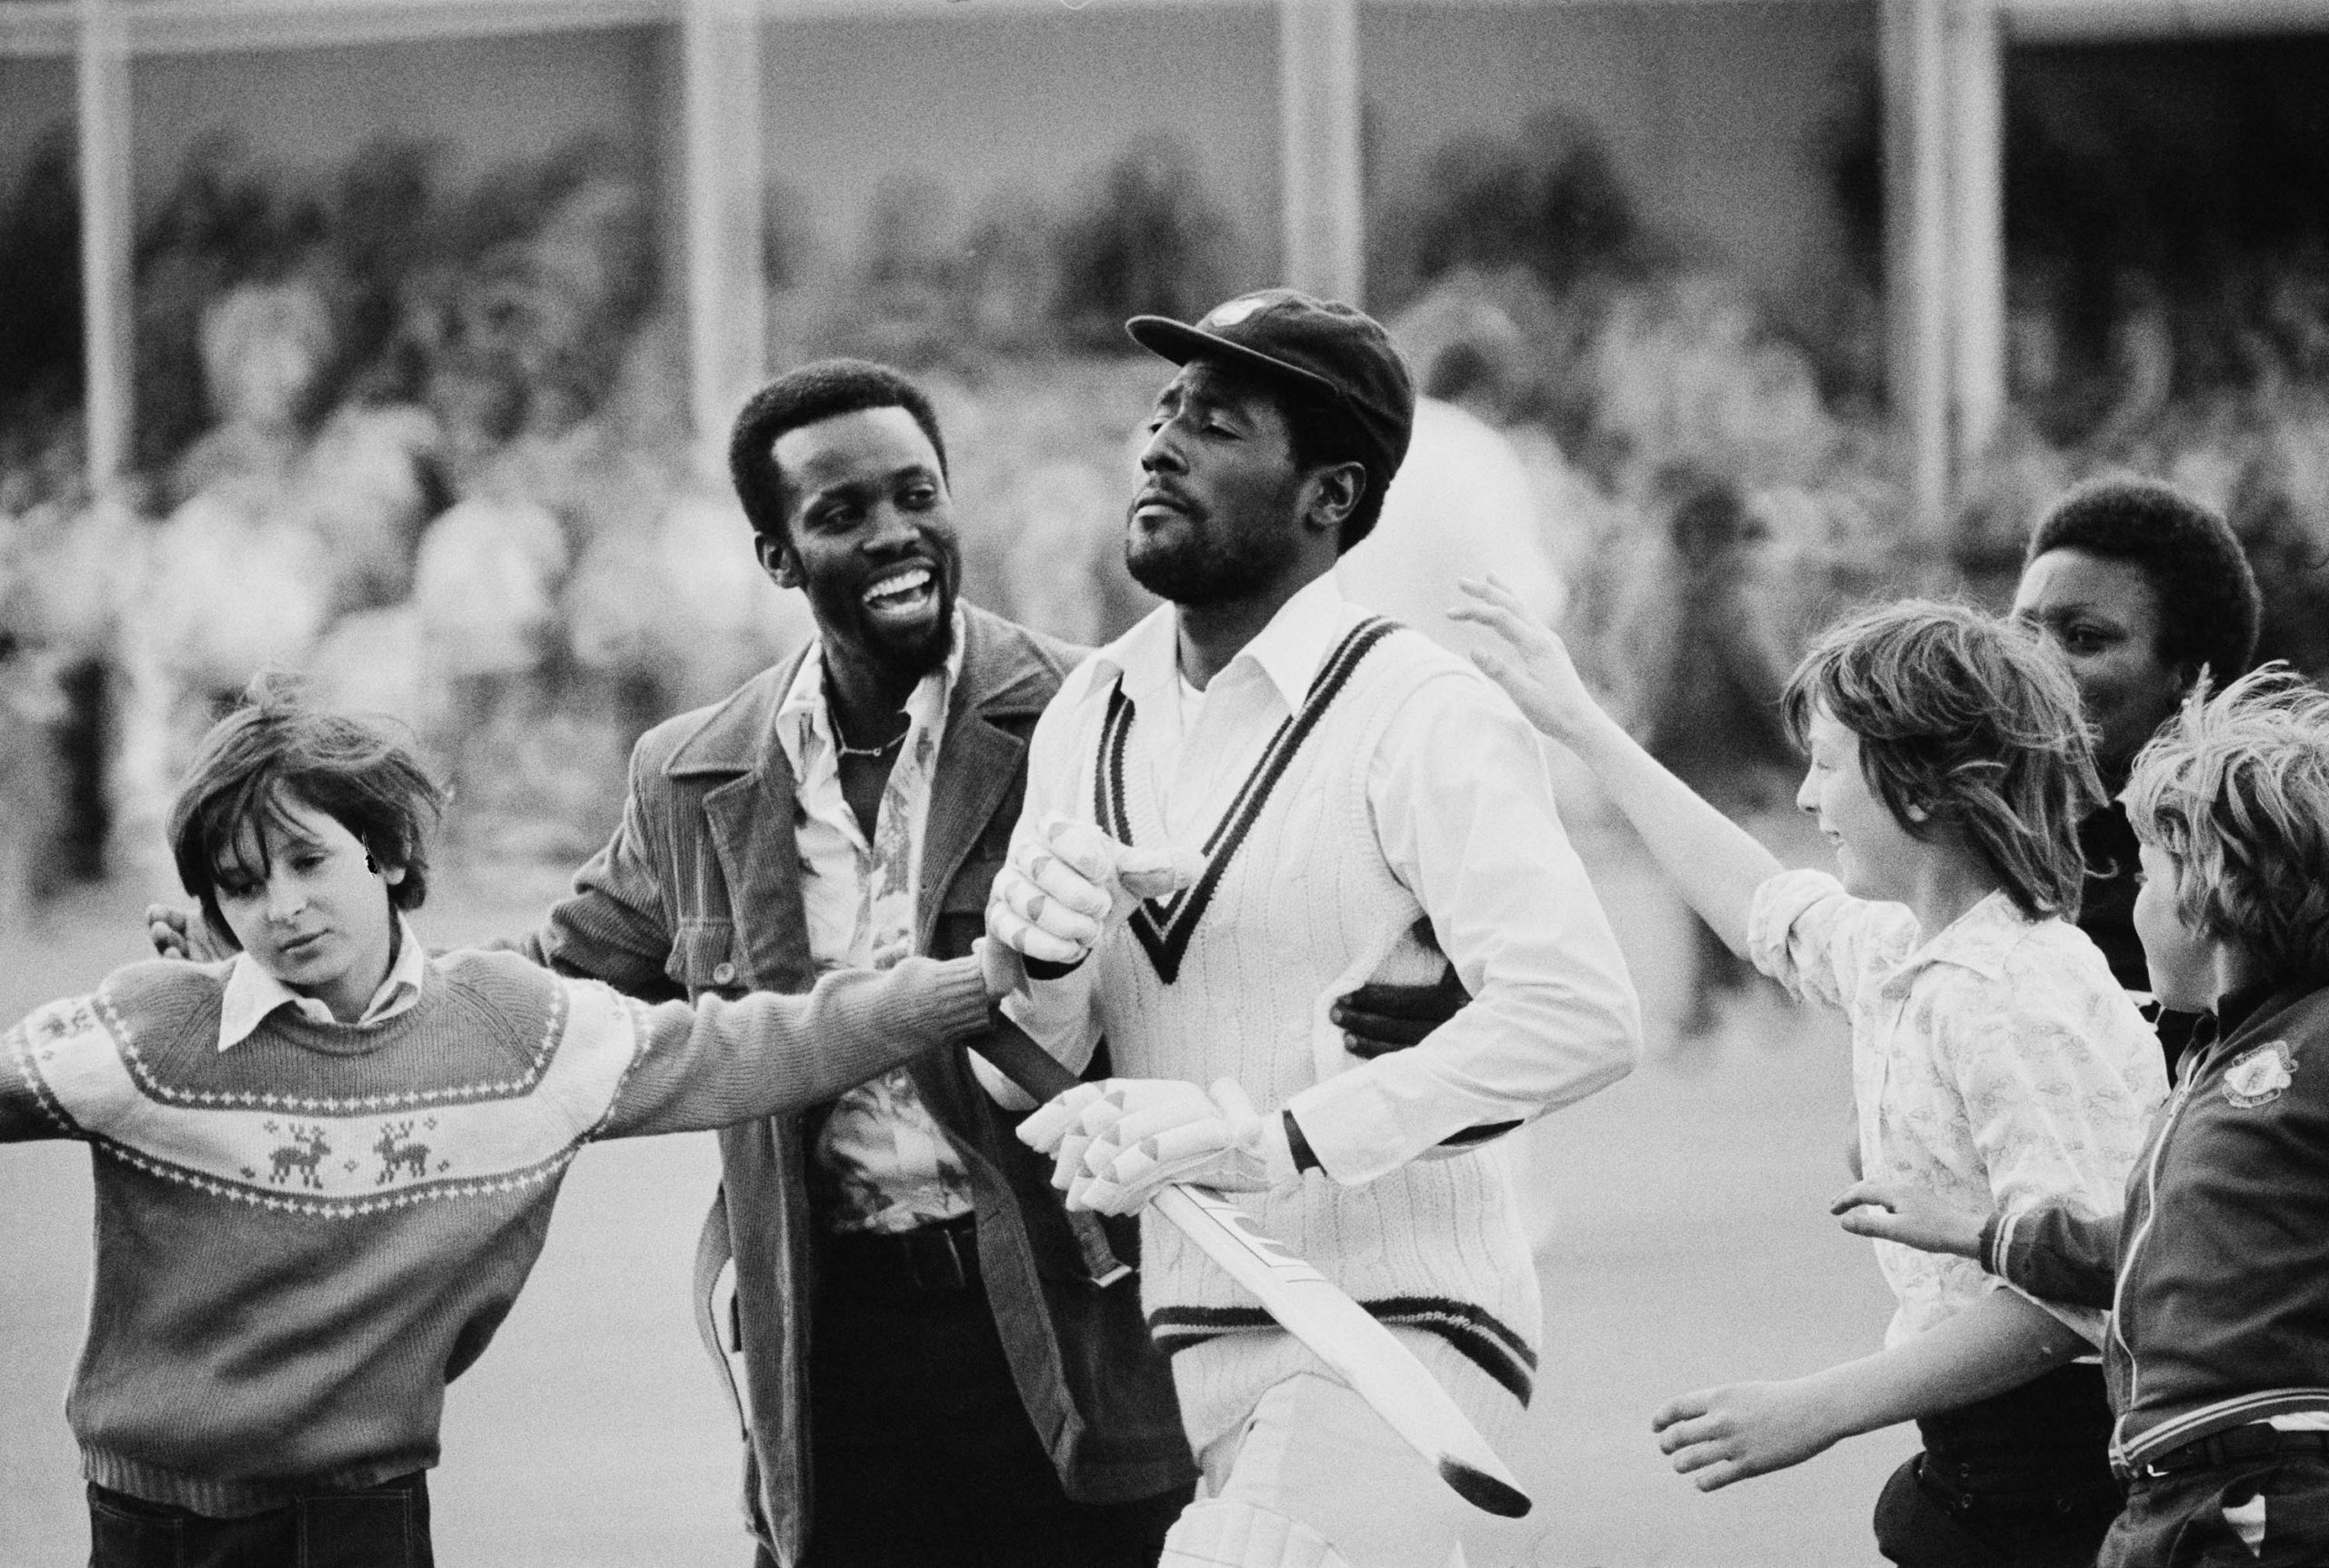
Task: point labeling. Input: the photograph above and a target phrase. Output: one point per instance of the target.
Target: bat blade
(1353, 1346)
(1309, 1306)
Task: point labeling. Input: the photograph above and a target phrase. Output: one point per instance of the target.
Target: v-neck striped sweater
(301, 1239)
(1231, 979)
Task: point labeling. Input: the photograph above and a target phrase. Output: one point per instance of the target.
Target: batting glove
(1115, 1143)
(1062, 888)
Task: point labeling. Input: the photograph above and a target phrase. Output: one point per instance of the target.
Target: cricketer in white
(1346, 779)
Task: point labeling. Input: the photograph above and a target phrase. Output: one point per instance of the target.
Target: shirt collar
(1978, 940)
(805, 715)
(1288, 651)
(253, 995)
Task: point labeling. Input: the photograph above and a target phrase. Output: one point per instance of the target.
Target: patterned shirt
(892, 1163)
(1998, 1063)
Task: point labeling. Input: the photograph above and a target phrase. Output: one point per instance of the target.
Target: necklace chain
(891, 744)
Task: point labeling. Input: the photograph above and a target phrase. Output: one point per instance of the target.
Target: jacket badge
(2257, 1077)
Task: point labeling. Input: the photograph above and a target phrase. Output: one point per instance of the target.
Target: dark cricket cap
(1328, 348)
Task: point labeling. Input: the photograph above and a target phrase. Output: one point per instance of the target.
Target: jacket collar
(1003, 676)
(749, 810)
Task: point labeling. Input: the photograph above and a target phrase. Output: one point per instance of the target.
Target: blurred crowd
(421, 441)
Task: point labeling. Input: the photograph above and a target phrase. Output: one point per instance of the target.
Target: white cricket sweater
(1233, 979)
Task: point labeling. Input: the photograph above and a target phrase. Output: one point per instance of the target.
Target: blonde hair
(2235, 790)
(1965, 721)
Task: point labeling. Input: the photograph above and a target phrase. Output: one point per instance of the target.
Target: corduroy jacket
(698, 891)
(2217, 1272)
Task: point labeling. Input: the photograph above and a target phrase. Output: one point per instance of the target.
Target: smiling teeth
(899, 584)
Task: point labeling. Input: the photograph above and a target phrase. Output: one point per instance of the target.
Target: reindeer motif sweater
(301, 1240)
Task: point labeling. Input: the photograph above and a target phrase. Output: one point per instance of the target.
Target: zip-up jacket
(2216, 1272)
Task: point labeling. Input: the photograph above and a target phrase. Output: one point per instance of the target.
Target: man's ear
(1332, 495)
(777, 559)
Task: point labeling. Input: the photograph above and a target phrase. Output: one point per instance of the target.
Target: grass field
(1683, 1241)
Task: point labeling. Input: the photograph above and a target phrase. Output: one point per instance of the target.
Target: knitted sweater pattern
(301, 1239)
(1233, 979)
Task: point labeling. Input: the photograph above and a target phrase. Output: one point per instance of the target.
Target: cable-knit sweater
(301, 1239)
(1306, 907)
(1387, 782)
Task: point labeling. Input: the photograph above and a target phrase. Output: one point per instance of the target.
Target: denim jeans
(385, 1526)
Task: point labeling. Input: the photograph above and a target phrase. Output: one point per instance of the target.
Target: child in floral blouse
(1993, 1056)
(2216, 1270)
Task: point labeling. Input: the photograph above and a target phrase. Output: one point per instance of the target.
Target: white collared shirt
(1463, 813)
(1202, 749)
(893, 1166)
(1997, 1062)
(252, 994)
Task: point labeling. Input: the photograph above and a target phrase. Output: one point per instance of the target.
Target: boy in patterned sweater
(327, 1164)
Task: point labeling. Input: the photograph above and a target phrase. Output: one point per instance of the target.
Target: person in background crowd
(2145, 591)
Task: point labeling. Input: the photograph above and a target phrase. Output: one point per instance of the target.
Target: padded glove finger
(1052, 1119)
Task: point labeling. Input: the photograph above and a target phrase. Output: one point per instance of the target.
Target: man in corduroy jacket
(934, 1362)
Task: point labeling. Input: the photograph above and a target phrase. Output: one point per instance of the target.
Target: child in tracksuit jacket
(327, 1165)
(2217, 1272)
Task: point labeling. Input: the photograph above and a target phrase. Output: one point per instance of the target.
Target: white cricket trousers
(1314, 1451)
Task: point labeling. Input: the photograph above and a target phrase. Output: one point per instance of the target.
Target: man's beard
(1200, 568)
(906, 658)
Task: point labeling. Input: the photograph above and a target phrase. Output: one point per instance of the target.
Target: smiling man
(1357, 791)
(937, 1367)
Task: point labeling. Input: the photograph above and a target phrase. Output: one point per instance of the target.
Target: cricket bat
(1309, 1306)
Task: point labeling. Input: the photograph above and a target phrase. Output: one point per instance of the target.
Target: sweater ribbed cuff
(1992, 1233)
(958, 999)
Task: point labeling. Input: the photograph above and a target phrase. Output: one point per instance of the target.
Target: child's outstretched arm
(2052, 1251)
(1897, 1212)
(1718, 1435)
(1717, 864)
(721, 1061)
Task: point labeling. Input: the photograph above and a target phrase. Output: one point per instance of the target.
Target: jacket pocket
(703, 959)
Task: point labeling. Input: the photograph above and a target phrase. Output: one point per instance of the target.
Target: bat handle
(1019, 1059)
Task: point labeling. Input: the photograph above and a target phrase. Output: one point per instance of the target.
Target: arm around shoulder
(1463, 812)
(615, 925)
